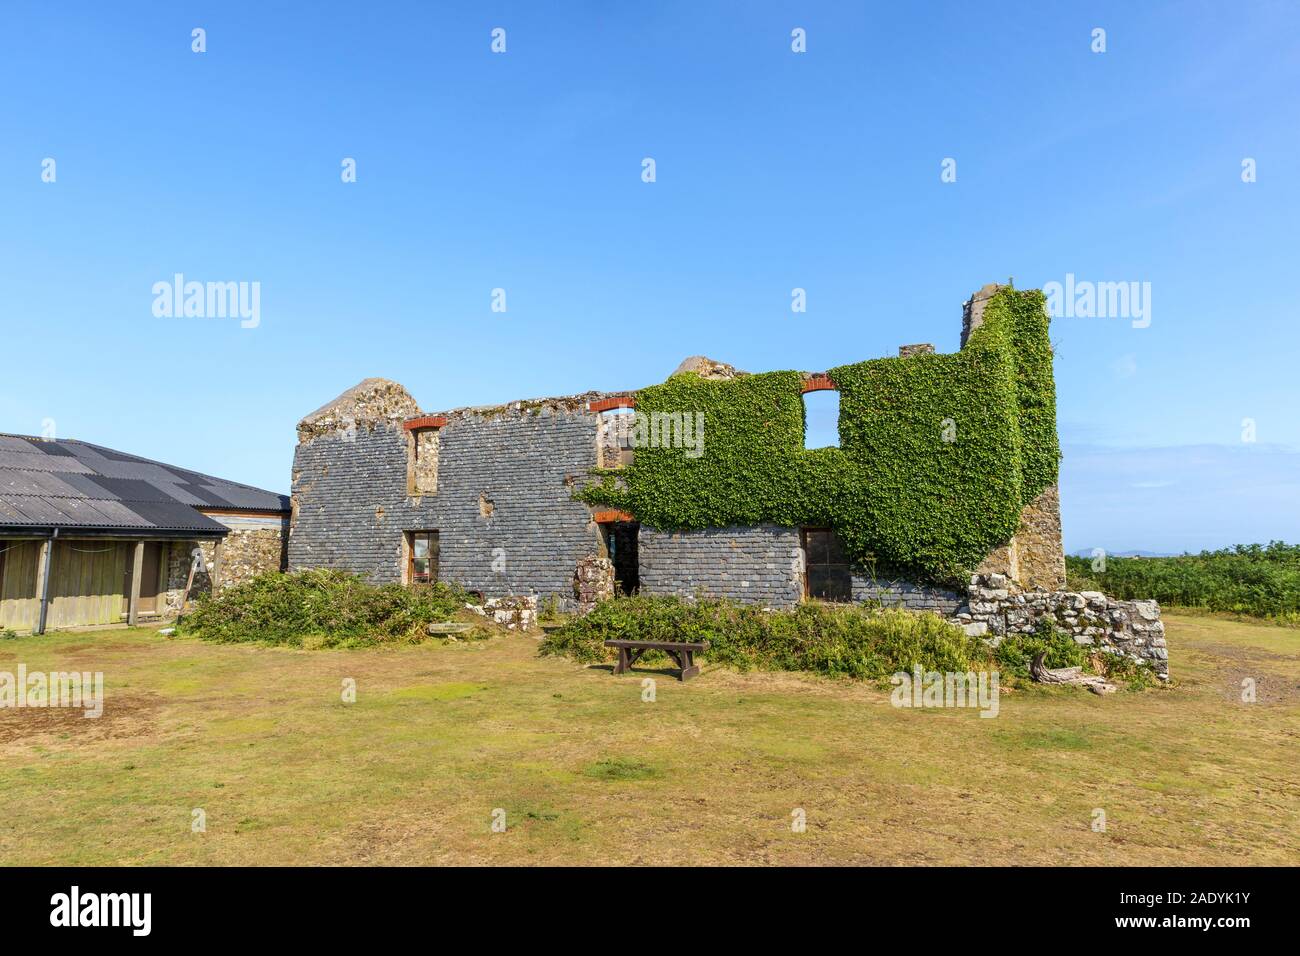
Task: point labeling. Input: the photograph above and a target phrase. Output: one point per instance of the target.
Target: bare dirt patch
(127, 715)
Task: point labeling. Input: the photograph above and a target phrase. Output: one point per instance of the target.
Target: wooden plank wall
(20, 606)
(88, 583)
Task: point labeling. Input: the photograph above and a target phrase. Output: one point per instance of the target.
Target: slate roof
(74, 485)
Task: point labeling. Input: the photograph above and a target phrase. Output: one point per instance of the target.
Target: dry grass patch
(440, 736)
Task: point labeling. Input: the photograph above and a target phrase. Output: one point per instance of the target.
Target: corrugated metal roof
(71, 484)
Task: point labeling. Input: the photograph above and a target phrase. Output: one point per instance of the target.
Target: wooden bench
(629, 652)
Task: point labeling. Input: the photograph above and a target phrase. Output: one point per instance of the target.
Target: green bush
(1017, 651)
(1257, 580)
(1124, 670)
(849, 641)
(901, 497)
(321, 608)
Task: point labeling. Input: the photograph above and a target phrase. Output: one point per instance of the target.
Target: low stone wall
(515, 612)
(1132, 628)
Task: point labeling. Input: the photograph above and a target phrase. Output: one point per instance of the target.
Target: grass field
(440, 736)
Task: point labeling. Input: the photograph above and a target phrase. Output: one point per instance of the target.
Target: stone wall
(911, 597)
(1035, 555)
(972, 310)
(593, 582)
(179, 557)
(1038, 541)
(507, 522)
(512, 613)
(1132, 628)
(255, 545)
(760, 565)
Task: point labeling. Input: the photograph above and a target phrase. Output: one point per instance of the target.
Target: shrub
(1124, 670)
(1017, 651)
(550, 609)
(849, 641)
(321, 608)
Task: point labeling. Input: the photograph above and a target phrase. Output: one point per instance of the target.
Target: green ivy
(901, 498)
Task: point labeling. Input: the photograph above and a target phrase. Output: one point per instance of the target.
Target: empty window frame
(821, 419)
(622, 546)
(617, 437)
(422, 461)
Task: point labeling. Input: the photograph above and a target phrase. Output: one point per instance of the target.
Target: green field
(1254, 580)
(440, 736)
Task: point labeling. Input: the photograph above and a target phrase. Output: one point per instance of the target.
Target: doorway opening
(621, 545)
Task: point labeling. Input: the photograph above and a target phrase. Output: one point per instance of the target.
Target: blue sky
(775, 170)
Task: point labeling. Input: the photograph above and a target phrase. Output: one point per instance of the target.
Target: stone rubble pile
(517, 612)
(1133, 628)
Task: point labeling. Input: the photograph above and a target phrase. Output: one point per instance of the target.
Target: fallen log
(1068, 675)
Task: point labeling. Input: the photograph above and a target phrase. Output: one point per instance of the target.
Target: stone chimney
(972, 312)
(921, 348)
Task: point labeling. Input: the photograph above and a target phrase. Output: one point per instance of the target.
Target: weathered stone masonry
(352, 508)
(759, 565)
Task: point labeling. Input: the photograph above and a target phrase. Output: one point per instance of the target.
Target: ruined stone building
(484, 497)
(946, 471)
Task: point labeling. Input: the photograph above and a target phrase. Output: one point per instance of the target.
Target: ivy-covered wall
(938, 453)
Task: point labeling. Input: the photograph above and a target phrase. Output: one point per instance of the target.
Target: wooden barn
(91, 537)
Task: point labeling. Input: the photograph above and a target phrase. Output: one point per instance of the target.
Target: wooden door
(150, 578)
(826, 570)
